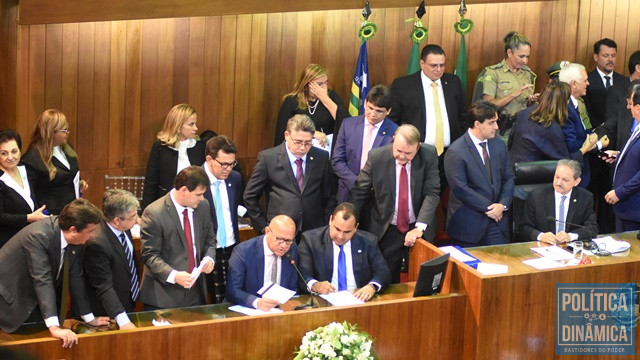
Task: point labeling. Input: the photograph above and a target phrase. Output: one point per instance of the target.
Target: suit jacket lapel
(283, 159)
(416, 180)
(356, 142)
(473, 151)
(419, 92)
(172, 213)
(327, 254)
(356, 257)
(573, 203)
(231, 194)
(115, 243)
(309, 169)
(260, 261)
(550, 208)
(382, 133)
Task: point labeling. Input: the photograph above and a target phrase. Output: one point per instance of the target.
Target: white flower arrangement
(336, 341)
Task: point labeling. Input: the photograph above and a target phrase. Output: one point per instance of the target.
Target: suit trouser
(393, 250)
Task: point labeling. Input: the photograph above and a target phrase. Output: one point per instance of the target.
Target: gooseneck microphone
(310, 304)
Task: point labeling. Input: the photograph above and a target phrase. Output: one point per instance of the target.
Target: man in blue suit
(337, 257)
(625, 195)
(578, 126)
(259, 261)
(480, 174)
(358, 135)
(223, 196)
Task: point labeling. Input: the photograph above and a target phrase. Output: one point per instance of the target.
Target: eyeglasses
(64, 131)
(281, 241)
(226, 165)
(302, 143)
(135, 216)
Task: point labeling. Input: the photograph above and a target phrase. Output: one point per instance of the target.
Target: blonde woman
(313, 97)
(177, 147)
(52, 163)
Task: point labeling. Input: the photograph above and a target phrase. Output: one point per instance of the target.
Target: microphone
(310, 304)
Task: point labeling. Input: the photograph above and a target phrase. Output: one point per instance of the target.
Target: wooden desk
(512, 316)
(402, 327)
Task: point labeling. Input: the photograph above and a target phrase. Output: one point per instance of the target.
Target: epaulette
(496, 66)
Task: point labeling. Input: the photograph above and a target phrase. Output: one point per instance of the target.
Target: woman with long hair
(52, 163)
(18, 206)
(177, 147)
(312, 96)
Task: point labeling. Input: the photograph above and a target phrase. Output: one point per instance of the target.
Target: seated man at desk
(335, 257)
(562, 212)
(259, 261)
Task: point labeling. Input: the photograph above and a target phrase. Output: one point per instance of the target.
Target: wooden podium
(512, 315)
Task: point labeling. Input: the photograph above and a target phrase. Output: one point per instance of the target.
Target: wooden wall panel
(116, 80)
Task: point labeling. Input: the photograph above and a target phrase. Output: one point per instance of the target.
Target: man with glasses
(223, 196)
(358, 135)
(259, 261)
(296, 179)
(111, 262)
(337, 257)
(177, 236)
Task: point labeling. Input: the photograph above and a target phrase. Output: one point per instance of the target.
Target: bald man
(259, 261)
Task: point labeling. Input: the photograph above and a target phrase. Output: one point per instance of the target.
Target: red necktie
(187, 236)
(403, 202)
(299, 173)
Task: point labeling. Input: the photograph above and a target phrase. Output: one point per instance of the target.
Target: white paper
(135, 231)
(76, 184)
(611, 245)
(241, 210)
(543, 263)
(342, 298)
(492, 269)
(160, 323)
(553, 253)
(251, 311)
(196, 272)
(327, 148)
(457, 254)
(276, 292)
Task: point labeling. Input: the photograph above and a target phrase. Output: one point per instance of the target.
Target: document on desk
(611, 245)
(251, 311)
(457, 254)
(492, 269)
(342, 298)
(553, 253)
(543, 263)
(276, 292)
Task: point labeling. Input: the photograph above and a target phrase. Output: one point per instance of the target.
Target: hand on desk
(99, 321)
(127, 326)
(67, 336)
(411, 237)
(266, 304)
(365, 293)
(323, 287)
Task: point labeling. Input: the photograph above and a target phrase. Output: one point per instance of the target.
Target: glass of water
(577, 249)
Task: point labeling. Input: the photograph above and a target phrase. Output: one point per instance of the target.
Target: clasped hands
(324, 287)
(495, 211)
(551, 238)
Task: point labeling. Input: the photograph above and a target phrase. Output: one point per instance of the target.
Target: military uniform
(499, 81)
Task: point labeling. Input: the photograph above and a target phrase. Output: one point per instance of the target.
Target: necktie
(187, 235)
(222, 229)
(560, 224)
(274, 269)
(342, 270)
(486, 158)
(299, 173)
(403, 201)
(584, 115)
(64, 296)
(132, 268)
(607, 84)
(439, 132)
(366, 144)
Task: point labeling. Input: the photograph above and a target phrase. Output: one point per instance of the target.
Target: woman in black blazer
(52, 163)
(177, 147)
(18, 207)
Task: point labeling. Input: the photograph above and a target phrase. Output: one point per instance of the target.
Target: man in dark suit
(565, 202)
(177, 236)
(619, 123)
(295, 177)
(258, 261)
(358, 135)
(481, 177)
(111, 262)
(602, 80)
(625, 195)
(41, 261)
(336, 257)
(394, 209)
(224, 197)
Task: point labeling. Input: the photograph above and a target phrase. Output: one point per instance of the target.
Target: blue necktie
(342, 270)
(222, 230)
(560, 224)
(132, 268)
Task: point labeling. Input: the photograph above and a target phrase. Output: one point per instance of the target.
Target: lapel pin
(384, 133)
(310, 157)
(229, 184)
(575, 200)
(359, 251)
(73, 252)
